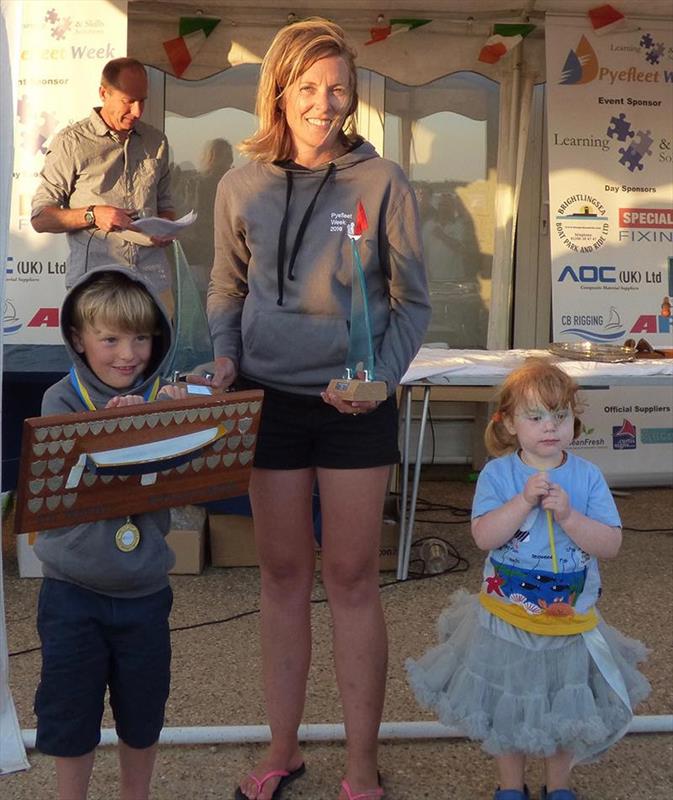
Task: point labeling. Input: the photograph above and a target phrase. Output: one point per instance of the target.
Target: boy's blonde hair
(116, 301)
(294, 49)
(537, 381)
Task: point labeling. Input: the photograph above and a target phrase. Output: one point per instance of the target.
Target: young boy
(105, 599)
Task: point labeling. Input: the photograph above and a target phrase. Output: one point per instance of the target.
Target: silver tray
(589, 351)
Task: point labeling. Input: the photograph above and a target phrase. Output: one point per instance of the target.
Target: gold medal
(127, 537)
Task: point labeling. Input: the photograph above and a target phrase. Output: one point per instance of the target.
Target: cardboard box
(232, 542)
(189, 548)
(30, 565)
(190, 551)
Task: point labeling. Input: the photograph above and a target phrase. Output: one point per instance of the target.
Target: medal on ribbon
(127, 537)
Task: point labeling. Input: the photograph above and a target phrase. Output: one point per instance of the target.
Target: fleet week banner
(64, 46)
(610, 124)
(610, 115)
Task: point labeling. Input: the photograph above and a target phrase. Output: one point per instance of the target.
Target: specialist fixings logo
(582, 223)
(646, 217)
(646, 225)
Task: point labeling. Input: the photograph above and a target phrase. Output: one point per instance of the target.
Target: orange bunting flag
(193, 33)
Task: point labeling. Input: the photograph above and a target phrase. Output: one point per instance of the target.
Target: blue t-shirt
(520, 572)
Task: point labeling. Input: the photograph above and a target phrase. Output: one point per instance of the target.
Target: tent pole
(238, 734)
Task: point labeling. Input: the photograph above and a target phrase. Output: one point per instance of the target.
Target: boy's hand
(557, 501)
(125, 400)
(225, 373)
(173, 391)
(537, 486)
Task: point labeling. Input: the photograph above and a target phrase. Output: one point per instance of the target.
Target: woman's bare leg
(281, 504)
(351, 503)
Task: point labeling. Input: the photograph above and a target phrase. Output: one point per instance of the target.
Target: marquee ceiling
(349, 10)
(246, 29)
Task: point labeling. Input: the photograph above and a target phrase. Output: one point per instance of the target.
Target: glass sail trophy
(359, 381)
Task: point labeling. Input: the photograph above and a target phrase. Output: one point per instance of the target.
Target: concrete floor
(216, 674)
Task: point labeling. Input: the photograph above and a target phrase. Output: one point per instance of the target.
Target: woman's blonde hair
(537, 381)
(295, 49)
(117, 302)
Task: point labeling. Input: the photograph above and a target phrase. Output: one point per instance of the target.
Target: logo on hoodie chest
(339, 221)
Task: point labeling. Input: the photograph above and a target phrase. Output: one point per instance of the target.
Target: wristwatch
(89, 216)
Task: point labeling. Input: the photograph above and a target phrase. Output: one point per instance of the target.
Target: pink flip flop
(369, 795)
(285, 778)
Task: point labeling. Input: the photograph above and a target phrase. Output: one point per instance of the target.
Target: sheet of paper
(157, 226)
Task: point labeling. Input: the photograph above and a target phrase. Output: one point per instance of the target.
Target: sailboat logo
(612, 330)
(10, 322)
(614, 320)
(581, 65)
(624, 436)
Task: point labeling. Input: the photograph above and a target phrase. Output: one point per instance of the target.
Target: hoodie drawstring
(282, 235)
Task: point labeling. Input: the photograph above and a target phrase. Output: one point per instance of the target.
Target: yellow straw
(552, 543)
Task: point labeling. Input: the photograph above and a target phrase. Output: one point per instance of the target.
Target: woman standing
(279, 305)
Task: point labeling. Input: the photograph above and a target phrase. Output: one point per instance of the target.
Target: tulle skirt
(522, 693)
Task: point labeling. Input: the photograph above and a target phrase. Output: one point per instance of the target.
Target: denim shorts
(298, 431)
(91, 642)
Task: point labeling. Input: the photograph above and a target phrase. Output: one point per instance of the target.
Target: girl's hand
(125, 400)
(537, 486)
(173, 391)
(558, 502)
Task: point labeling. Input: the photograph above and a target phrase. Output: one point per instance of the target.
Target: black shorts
(298, 431)
(91, 642)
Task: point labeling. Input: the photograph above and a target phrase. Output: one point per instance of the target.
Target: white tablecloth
(440, 365)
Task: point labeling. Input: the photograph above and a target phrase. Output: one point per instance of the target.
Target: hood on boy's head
(162, 340)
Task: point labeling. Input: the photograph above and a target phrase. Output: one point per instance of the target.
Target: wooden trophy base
(353, 389)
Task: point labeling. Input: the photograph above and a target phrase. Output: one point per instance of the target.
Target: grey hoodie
(86, 554)
(280, 290)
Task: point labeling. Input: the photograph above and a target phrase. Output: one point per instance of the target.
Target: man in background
(102, 173)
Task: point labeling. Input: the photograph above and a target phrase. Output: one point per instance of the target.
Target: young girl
(528, 667)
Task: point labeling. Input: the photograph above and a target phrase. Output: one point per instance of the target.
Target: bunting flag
(381, 32)
(193, 33)
(606, 19)
(504, 38)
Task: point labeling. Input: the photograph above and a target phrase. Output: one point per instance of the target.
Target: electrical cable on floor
(317, 601)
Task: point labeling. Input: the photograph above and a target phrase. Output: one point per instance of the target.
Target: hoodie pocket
(282, 347)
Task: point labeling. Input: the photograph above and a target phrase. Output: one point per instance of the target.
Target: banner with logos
(64, 46)
(610, 127)
(627, 432)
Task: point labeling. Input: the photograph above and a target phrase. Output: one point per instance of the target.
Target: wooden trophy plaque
(355, 389)
(80, 467)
